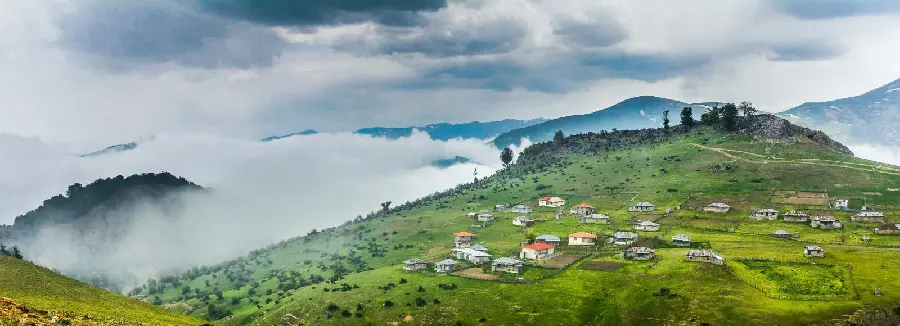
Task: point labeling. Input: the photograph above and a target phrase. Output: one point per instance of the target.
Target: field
(353, 274)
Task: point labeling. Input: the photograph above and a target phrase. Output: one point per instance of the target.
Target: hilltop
(353, 274)
(866, 118)
(44, 295)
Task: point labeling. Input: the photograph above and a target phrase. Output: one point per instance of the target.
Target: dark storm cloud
(320, 12)
(826, 9)
(807, 51)
(123, 34)
(594, 33)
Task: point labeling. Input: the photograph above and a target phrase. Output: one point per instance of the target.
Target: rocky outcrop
(770, 127)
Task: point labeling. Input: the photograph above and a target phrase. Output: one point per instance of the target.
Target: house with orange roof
(463, 239)
(537, 250)
(582, 239)
(582, 209)
(551, 202)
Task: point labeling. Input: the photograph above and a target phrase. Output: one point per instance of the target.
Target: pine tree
(729, 117)
(506, 156)
(666, 120)
(687, 117)
(559, 138)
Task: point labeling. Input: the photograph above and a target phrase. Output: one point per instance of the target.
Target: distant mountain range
(112, 149)
(447, 131)
(299, 133)
(868, 118)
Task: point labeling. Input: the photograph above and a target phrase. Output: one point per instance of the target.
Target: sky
(89, 73)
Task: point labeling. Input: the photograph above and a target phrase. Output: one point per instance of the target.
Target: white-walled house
(548, 238)
(596, 219)
(840, 203)
(707, 256)
(623, 238)
(507, 265)
(796, 216)
(765, 214)
(681, 240)
(551, 202)
(639, 253)
(813, 251)
(463, 239)
(582, 239)
(523, 221)
(582, 209)
(826, 223)
(521, 209)
(414, 264)
(642, 207)
(646, 226)
(537, 250)
(471, 255)
(485, 217)
(717, 208)
(445, 266)
(868, 217)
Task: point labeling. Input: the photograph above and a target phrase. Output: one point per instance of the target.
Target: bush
(388, 303)
(332, 307)
(419, 302)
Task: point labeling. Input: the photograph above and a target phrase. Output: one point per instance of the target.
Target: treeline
(78, 199)
(14, 252)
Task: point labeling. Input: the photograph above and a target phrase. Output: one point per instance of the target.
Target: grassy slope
(41, 288)
(735, 294)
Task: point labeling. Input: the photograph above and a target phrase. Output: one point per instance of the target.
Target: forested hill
(80, 200)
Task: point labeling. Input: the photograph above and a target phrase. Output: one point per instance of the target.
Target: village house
(521, 209)
(840, 203)
(548, 238)
(826, 223)
(582, 239)
(681, 240)
(479, 247)
(507, 265)
(523, 221)
(414, 264)
(485, 217)
(582, 209)
(707, 256)
(536, 251)
(551, 202)
(813, 251)
(782, 234)
(717, 208)
(499, 208)
(868, 217)
(639, 253)
(472, 215)
(642, 207)
(888, 228)
(471, 255)
(623, 238)
(445, 266)
(646, 226)
(766, 213)
(463, 239)
(596, 219)
(796, 216)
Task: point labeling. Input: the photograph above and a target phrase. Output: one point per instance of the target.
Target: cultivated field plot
(605, 266)
(560, 261)
(800, 198)
(797, 280)
(476, 273)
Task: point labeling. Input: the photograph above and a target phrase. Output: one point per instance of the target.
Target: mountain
(354, 273)
(34, 295)
(447, 131)
(78, 231)
(300, 133)
(633, 113)
(448, 162)
(112, 149)
(868, 118)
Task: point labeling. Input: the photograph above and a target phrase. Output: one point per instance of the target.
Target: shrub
(419, 302)
(332, 307)
(388, 303)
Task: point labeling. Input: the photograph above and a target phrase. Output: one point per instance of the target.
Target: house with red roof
(582, 209)
(551, 202)
(463, 239)
(582, 239)
(537, 250)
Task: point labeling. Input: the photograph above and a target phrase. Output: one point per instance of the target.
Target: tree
(746, 108)
(729, 116)
(3, 250)
(16, 253)
(687, 117)
(711, 117)
(506, 156)
(559, 138)
(385, 206)
(666, 120)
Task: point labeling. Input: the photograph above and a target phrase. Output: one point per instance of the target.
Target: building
(888, 228)
(646, 226)
(471, 255)
(521, 209)
(868, 217)
(523, 221)
(706, 256)
(642, 207)
(717, 208)
(765, 214)
(796, 216)
(463, 239)
(582, 239)
(500, 207)
(681, 240)
(414, 264)
(582, 209)
(623, 238)
(551, 202)
(445, 266)
(782, 234)
(506, 265)
(639, 253)
(813, 251)
(826, 223)
(479, 247)
(485, 217)
(472, 215)
(537, 250)
(549, 239)
(596, 219)
(840, 203)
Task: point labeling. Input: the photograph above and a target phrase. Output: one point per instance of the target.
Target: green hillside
(41, 290)
(353, 274)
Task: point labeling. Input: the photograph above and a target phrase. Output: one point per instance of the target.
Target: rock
(770, 127)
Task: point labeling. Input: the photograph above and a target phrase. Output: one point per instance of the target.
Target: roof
(599, 216)
(648, 223)
(538, 246)
(583, 235)
(796, 213)
(889, 226)
(625, 235)
(463, 234)
(701, 253)
(545, 198)
(583, 205)
(547, 237)
(681, 237)
(413, 261)
(721, 205)
(638, 250)
(506, 261)
(870, 214)
(478, 247)
(523, 219)
(477, 253)
(782, 232)
(767, 210)
(824, 218)
(555, 199)
(813, 248)
(446, 262)
(643, 203)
